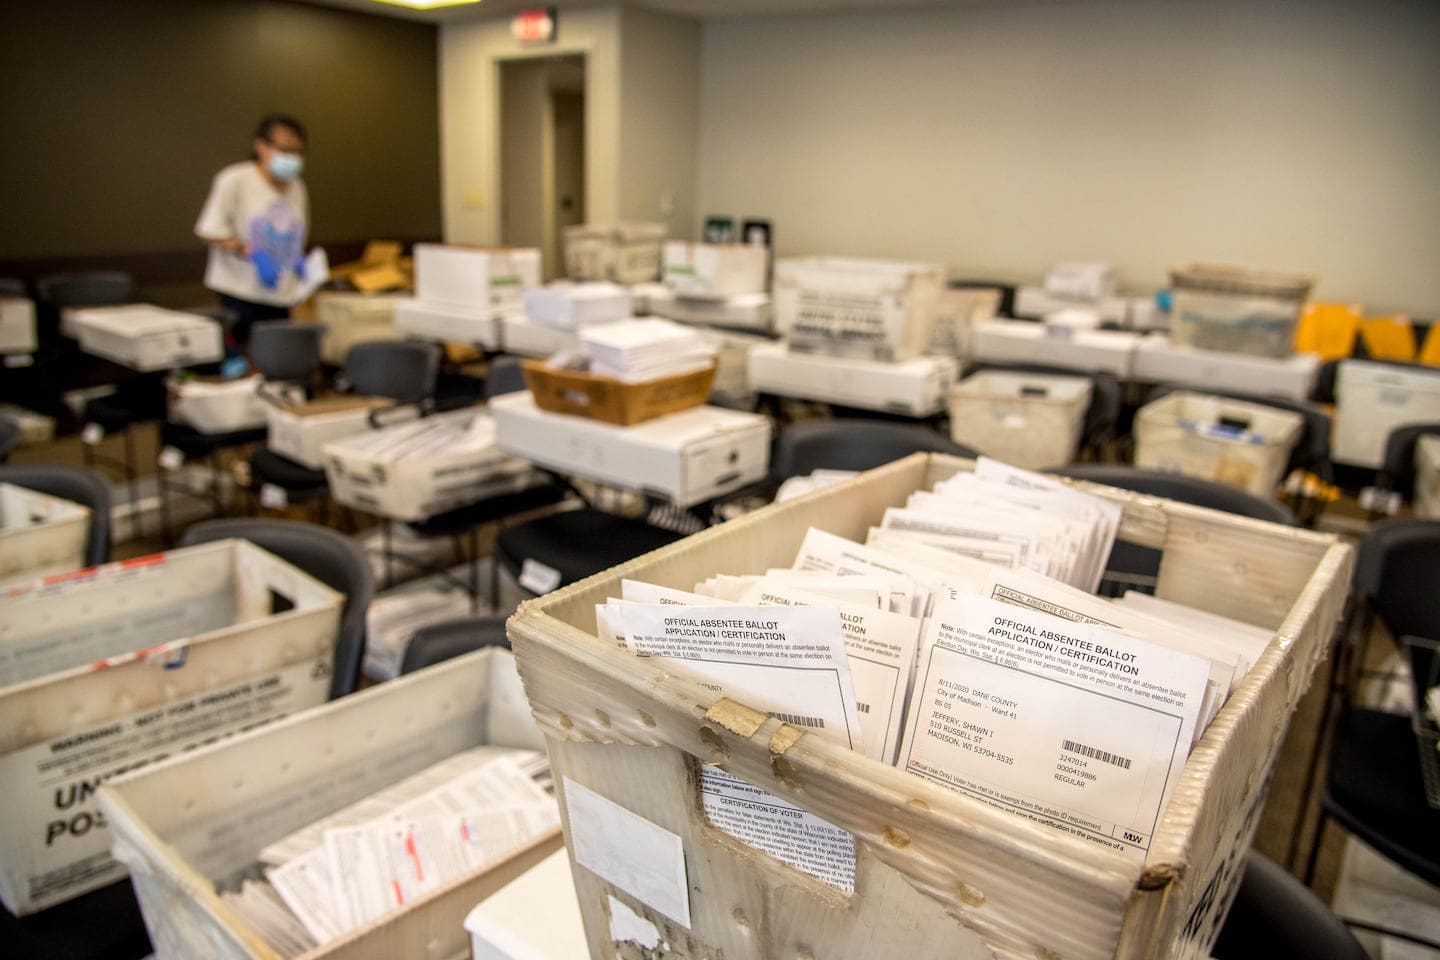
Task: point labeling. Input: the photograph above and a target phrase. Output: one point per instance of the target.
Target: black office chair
(13, 287)
(78, 484)
(1397, 469)
(1102, 417)
(1276, 917)
(10, 436)
(105, 924)
(1373, 785)
(329, 557)
(1135, 567)
(809, 445)
(575, 544)
(446, 639)
(286, 352)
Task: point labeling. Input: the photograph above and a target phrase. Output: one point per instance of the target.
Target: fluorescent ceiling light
(426, 4)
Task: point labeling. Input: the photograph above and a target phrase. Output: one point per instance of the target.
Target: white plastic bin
(447, 322)
(352, 318)
(215, 405)
(148, 338)
(1371, 399)
(475, 276)
(198, 823)
(1028, 420)
(300, 432)
(1244, 445)
(715, 270)
(1236, 310)
(109, 670)
(423, 468)
(40, 535)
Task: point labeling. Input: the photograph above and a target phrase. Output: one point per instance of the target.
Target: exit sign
(534, 26)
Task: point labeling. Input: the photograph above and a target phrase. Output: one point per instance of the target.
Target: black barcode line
(862, 707)
(799, 721)
(1104, 756)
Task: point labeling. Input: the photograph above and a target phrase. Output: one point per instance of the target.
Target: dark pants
(247, 313)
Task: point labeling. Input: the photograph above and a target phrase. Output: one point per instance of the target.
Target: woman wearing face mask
(255, 221)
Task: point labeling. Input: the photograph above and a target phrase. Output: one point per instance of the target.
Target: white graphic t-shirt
(243, 204)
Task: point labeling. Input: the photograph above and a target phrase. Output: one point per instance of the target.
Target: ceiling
(699, 9)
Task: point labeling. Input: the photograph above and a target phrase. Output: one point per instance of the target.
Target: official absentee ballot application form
(1065, 723)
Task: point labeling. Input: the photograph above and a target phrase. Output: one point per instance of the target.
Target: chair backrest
(505, 376)
(1397, 568)
(328, 557)
(1397, 469)
(88, 288)
(13, 287)
(10, 434)
(285, 351)
(436, 642)
(403, 370)
(1193, 490)
(1312, 448)
(810, 445)
(1275, 915)
(79, 484)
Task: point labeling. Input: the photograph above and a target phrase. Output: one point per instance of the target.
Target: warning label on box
(56, 844)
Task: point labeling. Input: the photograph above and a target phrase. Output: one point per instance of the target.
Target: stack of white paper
(964, 644)
(383, 852)
(638, 350)
(569, 306)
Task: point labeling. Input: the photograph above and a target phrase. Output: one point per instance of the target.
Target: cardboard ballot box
(915, 387)
(113, 668)
(1028, 420)
(535, 917)
(867, 309)
(148, 338)
(474, 276)
(686, 457)
(40, 534)
(715, 270)
(939, 875)
(200, 821)
(448, 322)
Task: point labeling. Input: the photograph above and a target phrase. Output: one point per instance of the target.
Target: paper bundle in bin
(626, 372)
(962, 643)
(382, 853)
(424, 467)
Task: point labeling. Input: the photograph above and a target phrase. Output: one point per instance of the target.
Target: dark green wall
(115, 116)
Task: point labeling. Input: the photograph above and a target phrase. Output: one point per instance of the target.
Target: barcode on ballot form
(799, 721)
(862, 707)
(1104, 756)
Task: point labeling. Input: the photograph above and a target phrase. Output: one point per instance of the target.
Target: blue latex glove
(267, 268)
(298, 267)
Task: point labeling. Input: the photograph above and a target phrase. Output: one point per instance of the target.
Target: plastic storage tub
(199, 820)
(352, 318)
(116, 667)
(866, 309)
(939, 876)
(623, 252)
(1245, 445)
(1371, 399)
(1235, 310)
(40, 534)
(1028, 420)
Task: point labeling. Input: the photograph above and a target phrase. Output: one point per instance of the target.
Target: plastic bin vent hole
(1045, 953)
(602, 718)
(917, 804)
(805, 953)
(785, 772)
(740, 919)
(279, 603)
(970, 895)
(897, 838)
(716, 745)
(646, 719)
(565, 722)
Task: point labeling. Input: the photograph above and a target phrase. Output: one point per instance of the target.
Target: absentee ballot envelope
(787, 661)
(1065, 723)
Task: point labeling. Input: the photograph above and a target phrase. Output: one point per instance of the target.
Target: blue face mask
(286, 166)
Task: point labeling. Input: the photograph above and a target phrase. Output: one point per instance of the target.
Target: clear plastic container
(1235, 310)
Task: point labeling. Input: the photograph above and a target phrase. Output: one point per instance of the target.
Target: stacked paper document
(648, 349)
(964, 644)
(569, 306)
(459, 816)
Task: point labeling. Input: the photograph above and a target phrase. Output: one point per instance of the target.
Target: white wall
(659, 123)
(470, 51)
(1000, 138)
